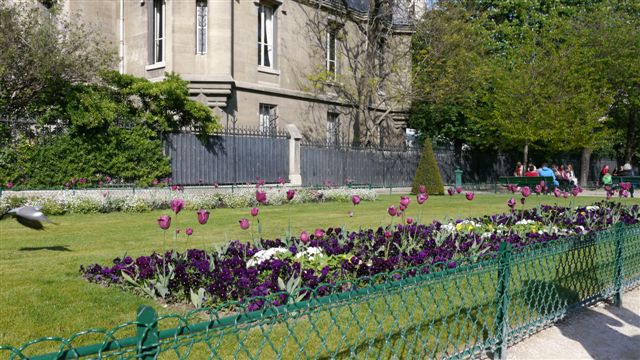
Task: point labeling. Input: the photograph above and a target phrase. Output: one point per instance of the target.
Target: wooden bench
(530, 181)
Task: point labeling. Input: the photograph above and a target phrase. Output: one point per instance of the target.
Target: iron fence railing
(477, 308)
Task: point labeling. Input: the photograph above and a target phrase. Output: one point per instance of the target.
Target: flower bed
(92, 201)
(239, 271)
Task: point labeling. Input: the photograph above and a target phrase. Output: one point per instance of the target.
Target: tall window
(201, 26)
(265, 36)
(268, 118)
(158, 31)
(333, 128)
(331, 51)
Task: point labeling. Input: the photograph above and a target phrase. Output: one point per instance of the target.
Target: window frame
(267, 122)
(159, 35)
(333, 128)
(267, 22)
(332, 34)
(202, 26)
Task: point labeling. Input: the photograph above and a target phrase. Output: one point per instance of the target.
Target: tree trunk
(585, 160)
(525, 156)
(632, 136)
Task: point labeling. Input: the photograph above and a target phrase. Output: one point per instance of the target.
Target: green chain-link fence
(477, 308)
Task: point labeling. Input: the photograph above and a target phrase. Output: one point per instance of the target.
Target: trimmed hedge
(427, 173)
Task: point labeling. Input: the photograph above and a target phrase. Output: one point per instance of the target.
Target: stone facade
(227, 76)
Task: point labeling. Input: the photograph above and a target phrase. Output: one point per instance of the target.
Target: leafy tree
(428, 173)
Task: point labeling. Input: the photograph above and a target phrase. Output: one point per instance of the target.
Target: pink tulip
(405, 200)
(388, 234)
(526, 191)
(203, 216)
(189, 231)
(260, 182)
(422, 198)
(458, 189)
(565, 194)
(538, 189)
(164, 221)
(254, 211)
(402, 207)
(511, 203)
(261, 196)
(575, 191)
(557, 192)
(469, 195)
(422, 189)
(281, 180)
(319, 233)
(355, 199)
(244, 223)
(290, 194)
(409, 220)
(304, 237)
(450, 191)
(392, 210)
(177, 205)
(625, 193)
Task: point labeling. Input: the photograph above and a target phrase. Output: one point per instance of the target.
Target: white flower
(264, 255)
(310, 253)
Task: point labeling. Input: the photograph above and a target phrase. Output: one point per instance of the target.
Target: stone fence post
(294, 155)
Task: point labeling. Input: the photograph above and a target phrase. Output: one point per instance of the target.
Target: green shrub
(427, 173)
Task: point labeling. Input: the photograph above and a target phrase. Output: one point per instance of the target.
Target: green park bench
(634, 180)
(530, 181)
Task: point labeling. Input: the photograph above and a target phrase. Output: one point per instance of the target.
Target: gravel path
(603, 331)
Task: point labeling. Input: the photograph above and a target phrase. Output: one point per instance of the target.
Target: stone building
(259, 62)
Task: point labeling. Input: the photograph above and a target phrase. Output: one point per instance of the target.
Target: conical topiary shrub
(428, 173)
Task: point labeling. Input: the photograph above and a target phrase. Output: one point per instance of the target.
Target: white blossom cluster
(59, 202)
(264, 255)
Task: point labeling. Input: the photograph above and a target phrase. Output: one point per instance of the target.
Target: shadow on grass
(50, 248)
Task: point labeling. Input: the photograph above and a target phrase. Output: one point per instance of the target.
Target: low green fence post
(147, 333)
(619, 231)
(502, 323)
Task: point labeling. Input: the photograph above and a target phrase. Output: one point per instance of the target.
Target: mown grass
(43, 293)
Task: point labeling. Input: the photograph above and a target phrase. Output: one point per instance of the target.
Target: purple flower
(469, 195)
(404, 201)
(392, 210)
(450, 191)
(575, 191)
(261, 196)
(458, 189)
(164, 221)
(244, 223)
(556, 192)
(281, 180)
(355, 199)
(565, 194)
(422, 189)
(538, 189)
(177, 205)
(511, 203)
(422, 198)
(203, 216)
(522, 201)
(409, 220)
(526, 191)
(304, 237)
(319, 233)
(290, 194)
(254, 211)
(189, 231)
(9, 184)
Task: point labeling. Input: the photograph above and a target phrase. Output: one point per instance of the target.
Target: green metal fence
(477, 308)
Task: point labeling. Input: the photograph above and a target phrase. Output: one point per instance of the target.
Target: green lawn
(43, 293)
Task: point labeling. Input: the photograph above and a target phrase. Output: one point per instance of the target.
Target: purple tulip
(526, 191)
(469, 195)
(392, 210)
(244, 223)
(388, 234)
(409, 220)
(261, 196)
(511, 203)
(422, 198)
(458, 189)
(450, 191)
(281, 180)
(290, 194)
(522, 200)
(203, 216)
(319, 233)
(538, 189)
(355, 199)
(557, 192)
(189, 231)
(405, 200)
(625, 186)
(260, 182)
(304, 237)
(575, 191)
(164, 221)
(254, 211)
(402, 207)
(177, 205)
(422, 189)
(565, 194)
